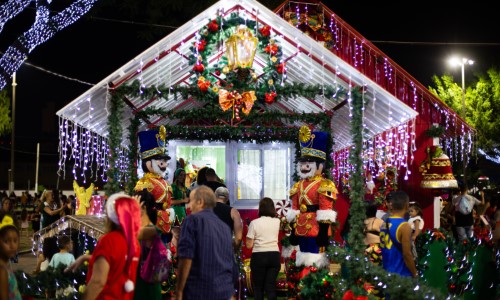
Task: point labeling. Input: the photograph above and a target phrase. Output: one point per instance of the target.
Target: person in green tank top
(180, 196)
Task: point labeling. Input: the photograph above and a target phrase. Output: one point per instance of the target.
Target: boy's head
(399, 201)
(64, 242)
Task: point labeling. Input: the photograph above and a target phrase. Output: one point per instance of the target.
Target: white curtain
(275, 174)
(249, 175)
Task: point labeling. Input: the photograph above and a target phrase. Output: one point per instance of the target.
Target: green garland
(356, 182)
(435, 131)
(270, 123)
(270, 126)
(358, 266)
(114, 174)
(220, 29)
(50, 280)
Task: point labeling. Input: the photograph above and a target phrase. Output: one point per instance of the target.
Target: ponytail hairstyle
(150, 204)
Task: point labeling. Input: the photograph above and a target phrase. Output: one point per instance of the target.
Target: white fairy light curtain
(336, 35)
(393, 148)
(85, 153)
(88, 228)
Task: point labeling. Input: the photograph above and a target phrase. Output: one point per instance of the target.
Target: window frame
(231, 153)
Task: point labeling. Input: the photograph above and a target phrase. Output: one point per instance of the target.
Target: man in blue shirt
(205, 251)
(395, 235)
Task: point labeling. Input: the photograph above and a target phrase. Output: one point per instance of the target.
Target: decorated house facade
(233, 86)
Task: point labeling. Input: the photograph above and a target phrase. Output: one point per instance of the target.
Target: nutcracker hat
(312, 144)
(125, 212)
(153, 144)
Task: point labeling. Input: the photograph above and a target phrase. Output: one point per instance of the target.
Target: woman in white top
(265, 263)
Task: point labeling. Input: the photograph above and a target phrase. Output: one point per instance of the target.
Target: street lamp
(462, 62)
(12, 145)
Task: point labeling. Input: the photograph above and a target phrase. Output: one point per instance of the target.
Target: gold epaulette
(142, 184)
(327, 188)
(294, 189)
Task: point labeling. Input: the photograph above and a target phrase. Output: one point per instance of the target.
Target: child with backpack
(464, 220)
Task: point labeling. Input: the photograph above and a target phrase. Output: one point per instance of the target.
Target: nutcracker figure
(313, 198)
(154, 161)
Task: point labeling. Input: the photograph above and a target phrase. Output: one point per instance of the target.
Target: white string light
(43, 28)
(88, 151)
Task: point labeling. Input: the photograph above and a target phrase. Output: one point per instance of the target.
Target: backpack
(156, 267)
(464, 206)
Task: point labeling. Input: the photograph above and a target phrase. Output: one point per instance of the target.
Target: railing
(323, 25)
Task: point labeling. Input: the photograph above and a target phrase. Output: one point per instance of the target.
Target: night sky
(419, 36)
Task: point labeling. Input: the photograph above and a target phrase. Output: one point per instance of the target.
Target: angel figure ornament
(83, 197)
(313, 198)
(154, 162)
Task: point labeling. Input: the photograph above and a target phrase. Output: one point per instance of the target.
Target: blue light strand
(44, 28)
(11, 9)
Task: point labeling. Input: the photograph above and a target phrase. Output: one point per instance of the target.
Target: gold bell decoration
(240, 48)
(436, 170)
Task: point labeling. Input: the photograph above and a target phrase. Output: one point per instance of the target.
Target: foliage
(482, 102)
(114, 175)
(321, 284)
(5, 121)
(69, 284)
(435, 131)
(362, 271)
(356, 181)
(259, 124)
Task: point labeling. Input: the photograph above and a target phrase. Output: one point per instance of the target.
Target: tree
(482, 102)
(5, 121)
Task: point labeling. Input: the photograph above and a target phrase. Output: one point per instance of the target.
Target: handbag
(156, 267)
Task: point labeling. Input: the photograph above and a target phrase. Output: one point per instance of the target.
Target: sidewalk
(26, 260)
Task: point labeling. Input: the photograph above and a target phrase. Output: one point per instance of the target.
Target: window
(249, 170)
(263, 173)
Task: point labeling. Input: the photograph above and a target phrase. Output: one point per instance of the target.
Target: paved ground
(27, 260)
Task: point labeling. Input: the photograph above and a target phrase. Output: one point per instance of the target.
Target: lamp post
(462, 62)
(12, 145)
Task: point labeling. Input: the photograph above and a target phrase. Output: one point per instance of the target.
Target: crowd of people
(40, 210)
(206, 234)
(396, 231)
(210, 234)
